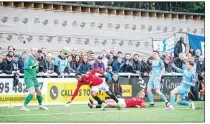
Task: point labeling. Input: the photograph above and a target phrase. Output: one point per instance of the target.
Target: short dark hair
(78, 74)
(155, 51)
(191, 62)
(136, 54)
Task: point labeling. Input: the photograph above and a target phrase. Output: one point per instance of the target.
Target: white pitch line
(84, 112)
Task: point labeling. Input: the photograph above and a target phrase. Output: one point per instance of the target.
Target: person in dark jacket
(116, 65)
(114, 58)
(136, 64)
(85, 66)
(49, 63)
(126, 67)
(1, 60)
(21, 62)
(197, 55)
(7, 64)
(77, 63)
(180, 47)
(179, 61)
(144, 66)
(200, 68)
(16, 72)
(167, 63)
(42, 62)
(149, 63)
(115, 86)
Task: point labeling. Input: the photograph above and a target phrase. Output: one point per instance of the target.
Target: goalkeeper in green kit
(32, 84)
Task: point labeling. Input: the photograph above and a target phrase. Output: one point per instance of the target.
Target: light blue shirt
(188, 78)
(61, 63)
(157, 67)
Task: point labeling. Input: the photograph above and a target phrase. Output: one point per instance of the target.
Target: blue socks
(163, 97)
(184, 102)
(150, 97)
(172, 99)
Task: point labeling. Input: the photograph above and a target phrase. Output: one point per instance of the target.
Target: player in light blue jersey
(158, 70)
(188, 81)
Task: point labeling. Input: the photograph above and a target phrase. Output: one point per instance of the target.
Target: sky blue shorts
(183, 92)
(154, 84)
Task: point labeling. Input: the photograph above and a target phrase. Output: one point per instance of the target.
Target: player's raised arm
(177, 69)
(75, 92)
(94, 71)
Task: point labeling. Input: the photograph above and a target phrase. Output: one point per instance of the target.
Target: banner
(168, 84)
(60, 90)
(197, 42)
(10, 95)
(63, 91)
(165, 45)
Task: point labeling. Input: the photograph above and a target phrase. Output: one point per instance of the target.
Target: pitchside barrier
(57, 90)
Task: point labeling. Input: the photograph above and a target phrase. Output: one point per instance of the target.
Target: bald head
(34, 51)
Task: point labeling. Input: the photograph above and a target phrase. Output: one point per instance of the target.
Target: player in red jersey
(96, 84)
(137, 102)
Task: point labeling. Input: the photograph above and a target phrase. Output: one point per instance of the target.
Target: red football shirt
(132, 102)
(89, 79)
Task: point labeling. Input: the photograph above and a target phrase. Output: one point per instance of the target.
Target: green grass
(81, 113)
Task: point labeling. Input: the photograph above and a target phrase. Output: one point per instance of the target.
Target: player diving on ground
(96, 84)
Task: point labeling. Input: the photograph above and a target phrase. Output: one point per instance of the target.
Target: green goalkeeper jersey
(29, 62)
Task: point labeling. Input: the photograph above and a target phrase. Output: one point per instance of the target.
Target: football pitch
(82, 113)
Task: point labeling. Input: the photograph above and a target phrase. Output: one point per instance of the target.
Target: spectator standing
(49, 63)
(180, 47)
(179, 61)
(192, 52)
(92, 58)
(11, 49)
(76, 63)
(167, 63)
(99, 64)
(149, 63)
(15, 62)
(61, 64)
(21, 62)
(85, 66)
(127, 57)
(44, 52)
(104, 59)
(197, 55)
(1, 60)
(200, 67)
(166, 54)
(7, 64)
(42, 61)
(136, 64)
(114, 57)
(115, 86)
(74, 53)
(185, 59)
(117, 64)
(126, 67)
(81, 53)
(189, 55)
(15, 70)
(144, 66)
(70, 61)
(109, 73)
